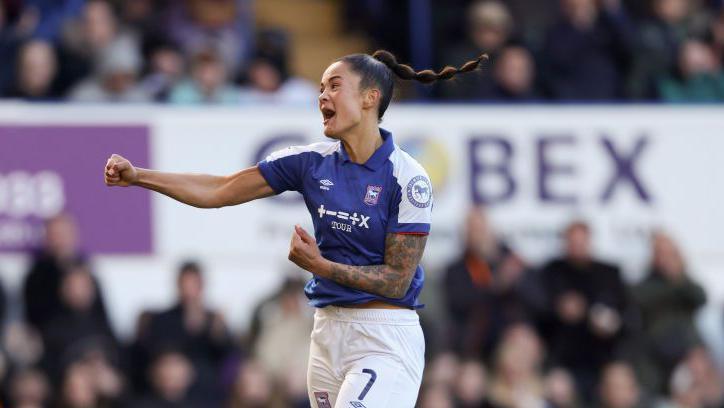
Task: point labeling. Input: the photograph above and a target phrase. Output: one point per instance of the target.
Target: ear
(371, 98)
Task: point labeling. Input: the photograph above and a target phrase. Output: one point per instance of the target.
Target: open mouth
(327, 114)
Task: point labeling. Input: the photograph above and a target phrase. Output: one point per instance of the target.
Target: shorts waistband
(400, 317)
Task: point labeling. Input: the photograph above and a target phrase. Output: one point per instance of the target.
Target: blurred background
(577, 245)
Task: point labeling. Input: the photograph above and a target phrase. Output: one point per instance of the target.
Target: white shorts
(365, 358)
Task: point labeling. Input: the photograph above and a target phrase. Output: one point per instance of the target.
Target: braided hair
(377, 70)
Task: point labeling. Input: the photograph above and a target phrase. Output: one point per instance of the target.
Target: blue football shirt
(353, 206)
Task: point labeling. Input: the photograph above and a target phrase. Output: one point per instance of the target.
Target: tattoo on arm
(393, 278)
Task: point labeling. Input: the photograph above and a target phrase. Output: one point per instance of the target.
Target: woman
(370, 204)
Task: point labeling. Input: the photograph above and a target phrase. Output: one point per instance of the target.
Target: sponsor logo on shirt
(325, 184)
(358, 220)
(373, 194)
(419, 192)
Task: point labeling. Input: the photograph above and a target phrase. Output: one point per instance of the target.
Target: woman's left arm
(391, 279)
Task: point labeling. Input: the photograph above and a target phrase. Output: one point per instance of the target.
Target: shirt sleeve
(411, 207)
(284, 169)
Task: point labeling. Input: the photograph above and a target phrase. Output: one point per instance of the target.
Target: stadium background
(605, 112)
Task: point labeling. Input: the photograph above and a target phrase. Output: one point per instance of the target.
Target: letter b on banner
(491, 174)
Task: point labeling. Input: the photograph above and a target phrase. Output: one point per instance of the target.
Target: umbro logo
(325, 184)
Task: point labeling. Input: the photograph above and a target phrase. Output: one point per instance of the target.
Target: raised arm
(391, 279)
(198, 190)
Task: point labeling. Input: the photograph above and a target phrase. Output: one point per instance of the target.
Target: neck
(362, 141)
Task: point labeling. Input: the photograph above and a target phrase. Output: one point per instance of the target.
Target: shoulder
(321, 149)
(405, 167)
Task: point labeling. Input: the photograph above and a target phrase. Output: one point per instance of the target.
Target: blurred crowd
(568, 333)
(210, 51)
(141, 51)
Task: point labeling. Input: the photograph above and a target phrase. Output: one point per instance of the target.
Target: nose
(323, 96)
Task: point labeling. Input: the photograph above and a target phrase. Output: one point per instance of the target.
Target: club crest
(373, 194)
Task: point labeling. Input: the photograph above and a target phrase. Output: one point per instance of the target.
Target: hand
(119, 172)
(571, 307)
(604, 321)
(303, 251)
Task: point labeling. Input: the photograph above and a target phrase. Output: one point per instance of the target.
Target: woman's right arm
(198, 190)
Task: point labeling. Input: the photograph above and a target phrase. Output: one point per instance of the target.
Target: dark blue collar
(380, 156)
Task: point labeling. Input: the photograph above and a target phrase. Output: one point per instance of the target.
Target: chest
(349, 200)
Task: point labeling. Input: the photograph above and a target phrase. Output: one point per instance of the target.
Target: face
(99, 24)
(619, 388)
(77, 290)
(209, 75)
(37, 67)
(578, 243)
(191, 288)
(61, 236)
(342, 103)
(514, 70)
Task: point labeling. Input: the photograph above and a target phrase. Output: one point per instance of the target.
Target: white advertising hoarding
(626, 170)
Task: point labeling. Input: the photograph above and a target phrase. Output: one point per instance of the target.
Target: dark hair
(189, 266)
(377, 70)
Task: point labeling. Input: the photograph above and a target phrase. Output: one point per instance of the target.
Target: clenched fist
(304, 252)
(119, 172)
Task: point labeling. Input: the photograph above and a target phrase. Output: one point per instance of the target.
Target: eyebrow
(330, 79)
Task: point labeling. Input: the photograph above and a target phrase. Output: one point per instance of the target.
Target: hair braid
(426, 76)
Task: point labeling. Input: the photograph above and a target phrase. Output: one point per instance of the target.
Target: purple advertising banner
(45, 170)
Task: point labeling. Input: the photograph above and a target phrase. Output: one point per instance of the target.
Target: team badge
(322, 400)
(419, 192)
(373, 194)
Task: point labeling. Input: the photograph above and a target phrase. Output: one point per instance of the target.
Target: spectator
(191, 328)
(197, 25)
(36, 72)
(270, 83)
(586, 51)
(165, 70)
(560, 389)
(588, 306)
(707, 380)
(78, 329)
(116, 77)
(442, 370)
(483, 290)
(436, 396)
(208, 83)
(87, 41)
(77, 389)
(29, 388)
(171, 376)
(23, 345)
(700, 77)
(16, 27)
(668, 300)
(280, 330)
(41, 288)
(659, 41)
(517, 381)
(717, 37)
(253, 388)
(52, 15)
(514, 75)
(619, 387)
(490, 27)
(471, 387)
